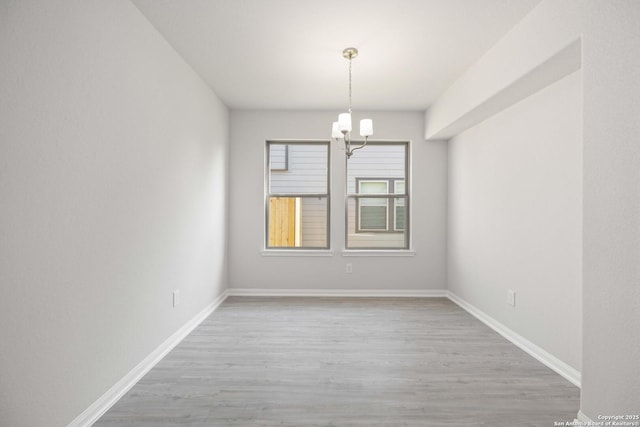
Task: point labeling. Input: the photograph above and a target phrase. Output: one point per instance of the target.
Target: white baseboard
(570, 374)
(408, 293)
(107, 400)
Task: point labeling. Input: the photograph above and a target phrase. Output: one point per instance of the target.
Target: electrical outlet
(176, 298)
(511, 297)
(348, 268)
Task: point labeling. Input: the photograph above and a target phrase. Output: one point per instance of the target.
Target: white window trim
(297, 253)
(378, 252)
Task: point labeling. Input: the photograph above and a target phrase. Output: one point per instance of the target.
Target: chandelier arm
(359, 146)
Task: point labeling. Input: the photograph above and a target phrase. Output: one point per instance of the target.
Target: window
(380, 214)
(377, 197)
(373, 213)
(297, 199)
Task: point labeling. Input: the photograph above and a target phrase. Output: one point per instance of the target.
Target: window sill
(297, 253)
(378, 252)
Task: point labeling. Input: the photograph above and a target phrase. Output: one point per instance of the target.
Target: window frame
(396, 206)
(359, 206)
(268, 195)
(391, 204)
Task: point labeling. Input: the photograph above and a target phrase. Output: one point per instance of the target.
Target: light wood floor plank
(277, 361)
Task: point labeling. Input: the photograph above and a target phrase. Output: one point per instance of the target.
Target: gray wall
(515, 218)
(611, 367)
(250, 269)
(113, 189)
(609, 37)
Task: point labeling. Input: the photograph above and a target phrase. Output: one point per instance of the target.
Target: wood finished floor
(269, 361)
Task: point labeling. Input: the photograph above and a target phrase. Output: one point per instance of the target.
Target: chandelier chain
(350, 83)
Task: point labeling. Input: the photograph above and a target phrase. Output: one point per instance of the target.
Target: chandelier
(341, 130)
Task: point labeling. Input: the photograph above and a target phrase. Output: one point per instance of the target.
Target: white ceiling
(287, 54)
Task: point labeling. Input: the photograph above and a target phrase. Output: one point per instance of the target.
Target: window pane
(373, 217)
(298, 222)
(313, 222)
(297, 201)
(376, 161)
(373, 211)
(373, 187)
(399, 217)
(306, 171)
(370, 239)
(378, 222)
